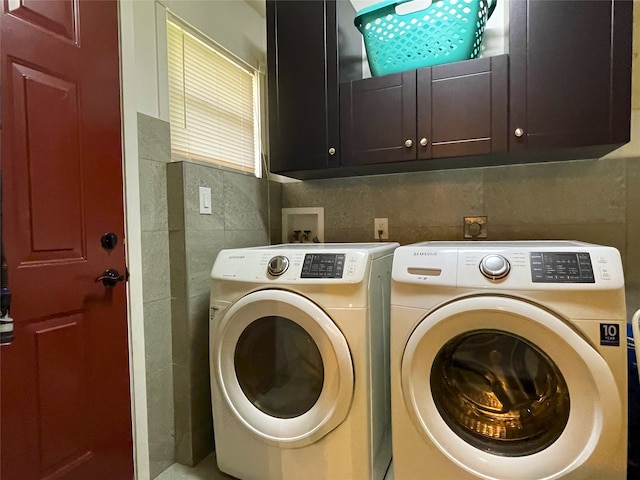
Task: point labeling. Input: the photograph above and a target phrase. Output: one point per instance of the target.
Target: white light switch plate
(205, 201)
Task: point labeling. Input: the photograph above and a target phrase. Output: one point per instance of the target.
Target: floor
(205, 470)
(208, 470)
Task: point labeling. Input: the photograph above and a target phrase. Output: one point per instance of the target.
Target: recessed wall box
(303, 225)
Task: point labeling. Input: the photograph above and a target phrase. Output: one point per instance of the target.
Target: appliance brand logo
(236, 257)
(425, 254)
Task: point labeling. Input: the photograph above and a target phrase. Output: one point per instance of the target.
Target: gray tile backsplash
(240, 218)
(160, 419)
(155, 265)
(153, 195)
(590, 200)
(154, 153)
(154, 139)
(245, 203)
(179, 247)
(577, 192)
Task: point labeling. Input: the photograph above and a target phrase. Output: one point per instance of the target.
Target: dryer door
(283, 367)
(508, 390)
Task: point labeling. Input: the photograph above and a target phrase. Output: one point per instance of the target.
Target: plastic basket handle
(491, 5)
(357, 21)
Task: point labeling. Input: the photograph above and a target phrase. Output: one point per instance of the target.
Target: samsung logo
(236, 257)
(425, 254)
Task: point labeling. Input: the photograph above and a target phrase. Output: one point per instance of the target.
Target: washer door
(507, 390)
(283, 367)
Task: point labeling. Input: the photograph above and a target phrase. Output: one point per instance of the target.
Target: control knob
(278, 265)
(494, 266)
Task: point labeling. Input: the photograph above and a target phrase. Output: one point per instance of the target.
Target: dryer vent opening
(500, 393)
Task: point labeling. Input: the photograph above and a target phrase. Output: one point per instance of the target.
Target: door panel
(59, 362)
(58, 17)
(549, 54)
(462, 108)
(66, 408)
(46, 146)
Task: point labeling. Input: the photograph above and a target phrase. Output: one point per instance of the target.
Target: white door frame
(133, 242)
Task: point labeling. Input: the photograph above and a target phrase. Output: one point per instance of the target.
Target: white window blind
(213, 104)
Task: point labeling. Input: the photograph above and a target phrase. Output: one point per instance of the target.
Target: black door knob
(109, 241)
(110, 277)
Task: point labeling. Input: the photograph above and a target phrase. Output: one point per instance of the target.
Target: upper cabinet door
(452, 110)
(301, 83)
(378, 119)
(462, 108)
(311, 46)
(570, 73)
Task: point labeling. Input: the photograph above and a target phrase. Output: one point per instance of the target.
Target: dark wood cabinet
(450, 110)
(563, 91)
(570, 74)
(311, 47)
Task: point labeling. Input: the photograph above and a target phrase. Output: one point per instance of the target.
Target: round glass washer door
(283, 367)
(506, 389)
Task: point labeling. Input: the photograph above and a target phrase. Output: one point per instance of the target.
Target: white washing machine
(299, 355)
(508, 361)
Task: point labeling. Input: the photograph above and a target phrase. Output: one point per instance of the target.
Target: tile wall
(590, 200)
(155, 154)
(240, 218)
(179, 247)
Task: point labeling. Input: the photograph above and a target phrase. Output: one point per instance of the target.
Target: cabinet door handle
(332, 151)
(518, 132)
(408, 143)
(424, 142)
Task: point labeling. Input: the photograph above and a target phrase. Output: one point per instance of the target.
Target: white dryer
(508, 361)
(299, 355)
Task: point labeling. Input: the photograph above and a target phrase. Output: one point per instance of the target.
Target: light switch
(205, 201)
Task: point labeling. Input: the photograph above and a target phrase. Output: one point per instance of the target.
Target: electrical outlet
(381, 228)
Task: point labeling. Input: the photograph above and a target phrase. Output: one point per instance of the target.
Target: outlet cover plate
(381, 224)
(205, 200)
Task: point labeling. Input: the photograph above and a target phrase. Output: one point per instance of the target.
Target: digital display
(560, 267)
(323, 265)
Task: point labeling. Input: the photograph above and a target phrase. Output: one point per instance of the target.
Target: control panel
(561, 267)
(323, 265)
(314, 264)
(535, 265)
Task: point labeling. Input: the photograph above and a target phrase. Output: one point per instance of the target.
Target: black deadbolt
(109, 241)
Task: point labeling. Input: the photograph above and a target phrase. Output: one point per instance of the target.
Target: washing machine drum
(502, 386)
(499, 392)
(283, 367)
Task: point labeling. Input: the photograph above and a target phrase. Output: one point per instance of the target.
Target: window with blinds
(213, 103)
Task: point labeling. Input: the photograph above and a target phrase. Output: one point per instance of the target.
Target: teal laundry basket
(441, 32)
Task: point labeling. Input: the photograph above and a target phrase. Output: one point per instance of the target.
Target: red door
(65, 400)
